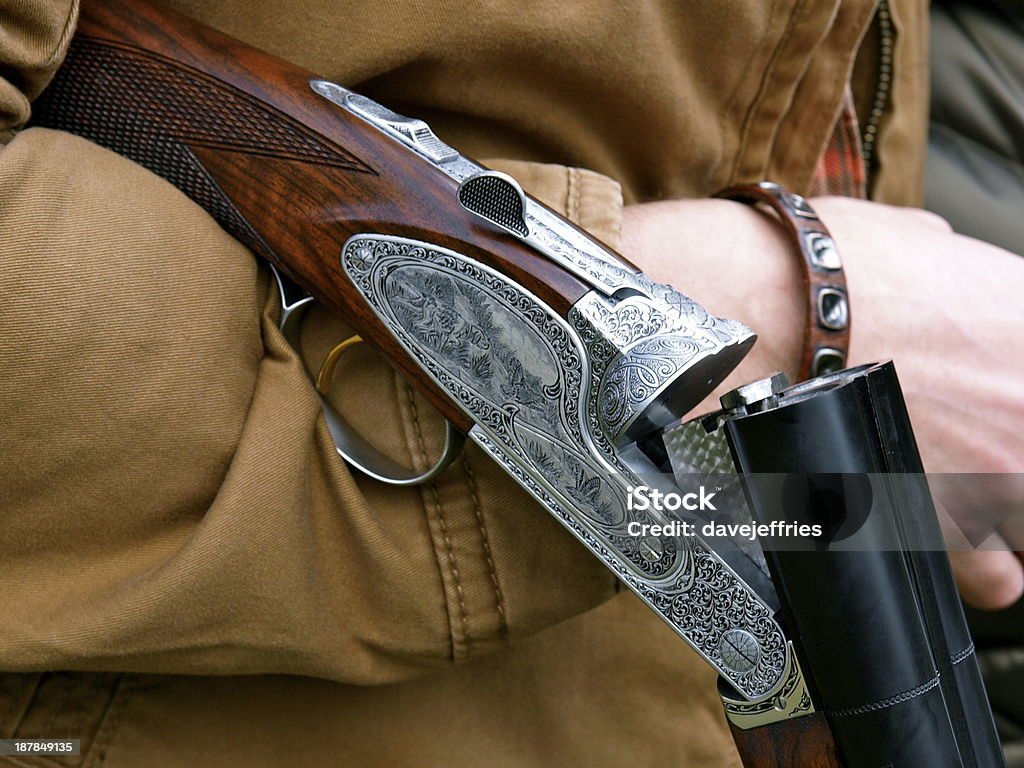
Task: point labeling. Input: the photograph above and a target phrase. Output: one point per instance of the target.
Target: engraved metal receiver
(561, 401)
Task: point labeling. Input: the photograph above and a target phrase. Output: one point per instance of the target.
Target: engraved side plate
(525, 377)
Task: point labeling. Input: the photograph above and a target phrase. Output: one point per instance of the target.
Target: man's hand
(949, 310)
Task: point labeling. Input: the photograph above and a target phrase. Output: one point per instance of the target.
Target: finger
(978, 505)
(1012, 531)
(989, 580)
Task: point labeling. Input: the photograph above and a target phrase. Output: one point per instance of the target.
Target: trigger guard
(351, 447)
(368, 460)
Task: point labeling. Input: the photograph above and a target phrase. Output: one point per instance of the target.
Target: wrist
(735, 261)
(826, 338)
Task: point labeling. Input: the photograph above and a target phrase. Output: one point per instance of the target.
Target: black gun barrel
(871, 604)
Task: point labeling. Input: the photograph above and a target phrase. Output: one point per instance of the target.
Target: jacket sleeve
(170, 498)
(33, 38)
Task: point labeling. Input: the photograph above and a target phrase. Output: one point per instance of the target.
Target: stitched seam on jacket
(29, 701)
(499, 599)
(762, 91)
(899, 698)
(110, 721)
(66, 33)
(435, 497)
(403, 396)
(841, 83)
(572, 203)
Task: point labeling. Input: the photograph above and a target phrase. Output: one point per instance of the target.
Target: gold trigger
(326, 372)
(359, 453)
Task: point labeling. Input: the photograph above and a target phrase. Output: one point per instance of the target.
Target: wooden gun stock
(286, 172)
(805, 742)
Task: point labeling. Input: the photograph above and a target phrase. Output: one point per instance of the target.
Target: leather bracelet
(827, 328)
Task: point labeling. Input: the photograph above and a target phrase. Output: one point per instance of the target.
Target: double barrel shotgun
(572, 369)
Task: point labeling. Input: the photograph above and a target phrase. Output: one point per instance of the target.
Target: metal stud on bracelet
(827, 328)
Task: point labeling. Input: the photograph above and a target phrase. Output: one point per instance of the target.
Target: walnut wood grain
(803, 742)
(285, 171)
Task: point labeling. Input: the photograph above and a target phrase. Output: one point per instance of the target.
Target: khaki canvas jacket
(188, 574)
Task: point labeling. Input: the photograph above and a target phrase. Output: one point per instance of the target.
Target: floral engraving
(530, 381)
